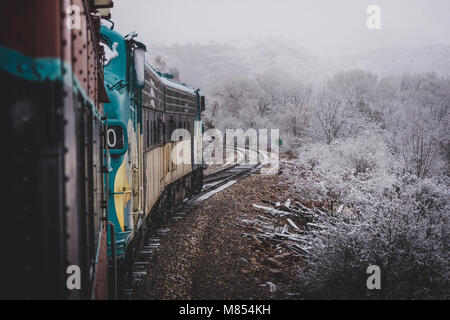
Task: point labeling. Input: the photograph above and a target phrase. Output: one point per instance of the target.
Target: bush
(348, 171)
(406, 236)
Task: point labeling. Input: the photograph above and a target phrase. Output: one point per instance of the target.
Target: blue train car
(95, 139)
(146, 108)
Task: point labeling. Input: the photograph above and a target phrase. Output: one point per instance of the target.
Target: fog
(326, 27)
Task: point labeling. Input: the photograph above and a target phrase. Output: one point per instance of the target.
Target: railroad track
(225, 177)
(213, 183)
(218, 181)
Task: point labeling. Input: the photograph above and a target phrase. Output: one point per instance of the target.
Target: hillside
(208, 66)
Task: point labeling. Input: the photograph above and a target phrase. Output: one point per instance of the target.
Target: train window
(151, 133)
(115, 138)
(154, 132)
(171, 128)
(148, 132)
(203, 103)
(159, 130)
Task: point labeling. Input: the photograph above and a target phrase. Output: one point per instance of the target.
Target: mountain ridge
(209, 65)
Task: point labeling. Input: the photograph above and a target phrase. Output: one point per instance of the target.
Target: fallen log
(272, 211)
(278, 205)
(298, 249)
(287, 236)
(289, 209)
(315, 225)
(293, 225)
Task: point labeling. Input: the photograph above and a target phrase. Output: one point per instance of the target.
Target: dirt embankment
(206, 256)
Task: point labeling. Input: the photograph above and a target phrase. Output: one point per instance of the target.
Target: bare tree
(333, 115)
(296, 100)
(420, 149)
(353, 84)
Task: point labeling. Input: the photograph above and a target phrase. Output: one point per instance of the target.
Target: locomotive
(146, 108)
(91, 148)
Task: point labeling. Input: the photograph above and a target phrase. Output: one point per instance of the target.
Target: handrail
(114, 261)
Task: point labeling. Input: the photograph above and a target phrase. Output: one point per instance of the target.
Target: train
(146, 108)
(98, 144)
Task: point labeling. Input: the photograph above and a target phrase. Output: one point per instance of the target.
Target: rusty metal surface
(38, 29)
(31, 27)
(101, 279)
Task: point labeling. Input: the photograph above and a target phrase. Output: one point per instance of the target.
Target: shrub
(406, 236)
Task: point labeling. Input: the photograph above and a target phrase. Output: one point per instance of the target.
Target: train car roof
(169, 82)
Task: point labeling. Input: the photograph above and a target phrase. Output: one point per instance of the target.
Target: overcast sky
(323, 26)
